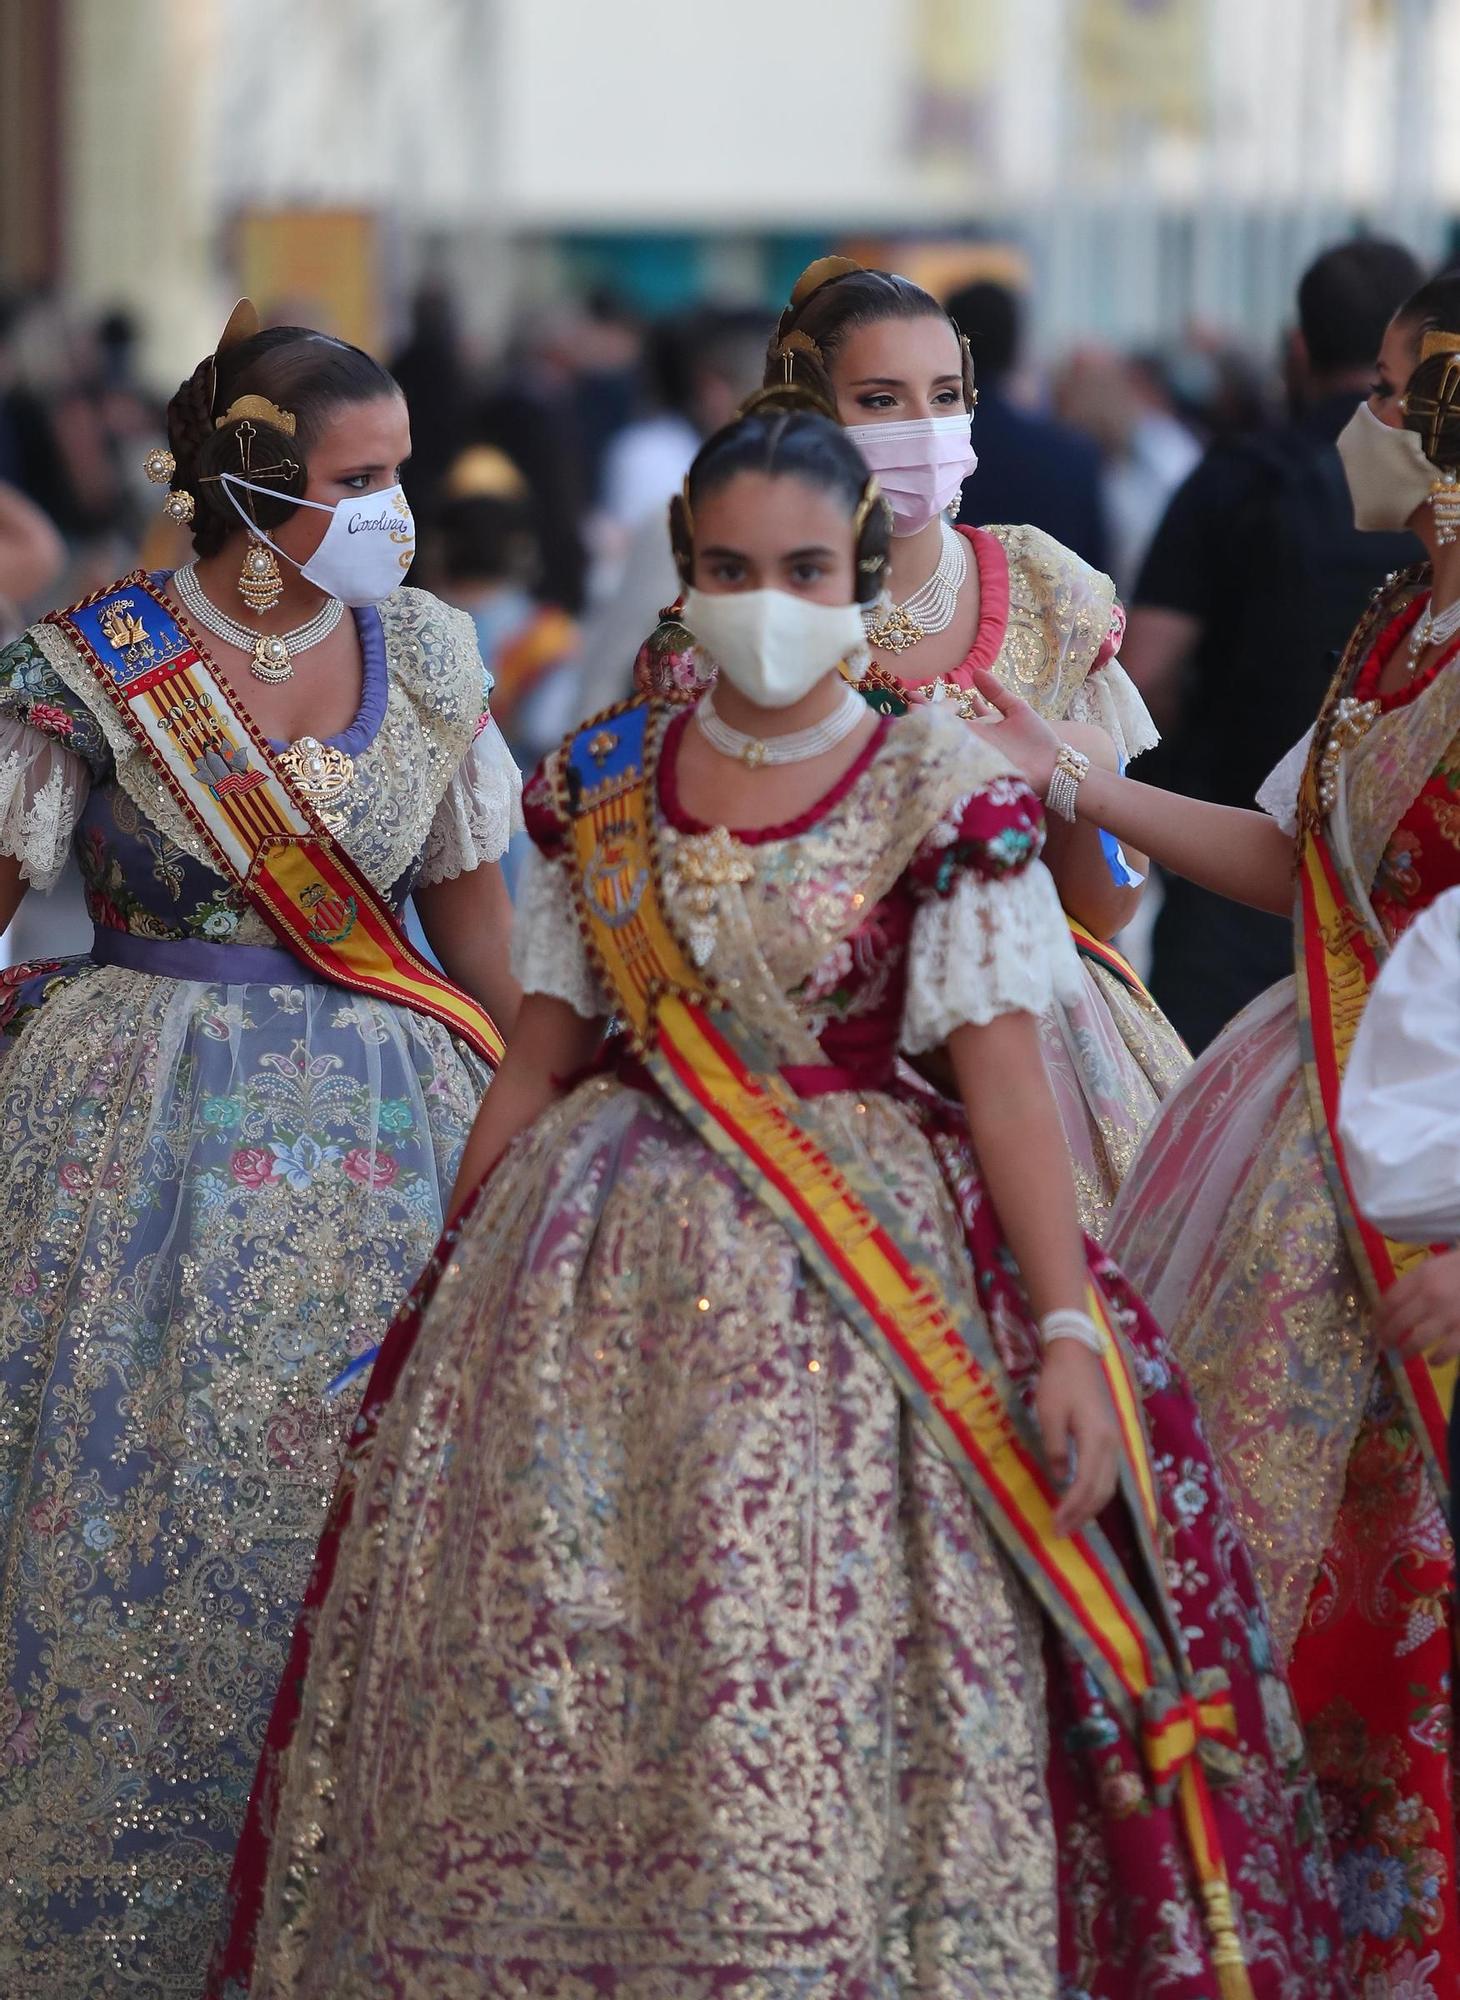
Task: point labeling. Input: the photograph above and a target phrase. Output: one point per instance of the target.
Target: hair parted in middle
(789, 432)
(830, 299)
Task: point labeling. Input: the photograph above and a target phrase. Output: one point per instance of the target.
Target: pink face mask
(919, 465)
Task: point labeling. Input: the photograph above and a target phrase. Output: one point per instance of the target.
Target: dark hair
(825, 309)
(487, 536)
(785, 433)
(309, 374)
(1428, 402)
(1346, 298)
(989, 317)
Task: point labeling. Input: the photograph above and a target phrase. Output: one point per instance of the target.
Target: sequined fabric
(654, 1650)
(1228, 1226)
(212, 1197)
(1049, 629)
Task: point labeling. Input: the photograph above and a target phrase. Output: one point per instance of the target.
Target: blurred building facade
(1157, 161)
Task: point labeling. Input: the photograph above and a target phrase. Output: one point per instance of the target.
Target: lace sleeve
(1108, 696)
(548, 953)
(479, 814)
(989, 936)
(43, 788)
(994, 946)
(1278, 792)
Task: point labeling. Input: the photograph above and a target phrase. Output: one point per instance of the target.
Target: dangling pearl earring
(260, 581)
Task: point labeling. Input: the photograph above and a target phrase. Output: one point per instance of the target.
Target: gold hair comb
(262, 411)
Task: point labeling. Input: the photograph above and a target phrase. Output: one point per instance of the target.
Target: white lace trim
(1108, 696)
(548, 953)
(998, 946)
(1279, 790)
(477, 817)
(43, 790)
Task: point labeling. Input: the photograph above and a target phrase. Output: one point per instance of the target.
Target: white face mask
(1387, 472)
(368, 546)
(771, 646)
(920, 465)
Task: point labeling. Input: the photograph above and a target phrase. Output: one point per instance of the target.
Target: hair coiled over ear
(787, 431)
(829, 300)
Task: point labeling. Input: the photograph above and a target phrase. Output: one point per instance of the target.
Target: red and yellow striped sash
(261, 831)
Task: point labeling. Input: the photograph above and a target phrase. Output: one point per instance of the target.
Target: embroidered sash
(1339, 948)
(263, 834)
(724, 1079)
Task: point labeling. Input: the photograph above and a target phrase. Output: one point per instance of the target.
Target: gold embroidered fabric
(661, 1640)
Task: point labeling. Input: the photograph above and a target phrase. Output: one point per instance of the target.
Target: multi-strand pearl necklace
(273, 652)
(793, 748)
(1433, 628)
(895, 628)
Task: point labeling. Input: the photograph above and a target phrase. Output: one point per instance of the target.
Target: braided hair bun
(305, 374)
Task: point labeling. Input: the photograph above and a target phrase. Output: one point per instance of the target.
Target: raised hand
(1025, 738)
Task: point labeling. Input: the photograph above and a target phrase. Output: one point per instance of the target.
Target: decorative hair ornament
(159, 465)
(180, 506)
(243, 324)
(261, 411)
(820, 273)
(1436, 412)
(790, 346)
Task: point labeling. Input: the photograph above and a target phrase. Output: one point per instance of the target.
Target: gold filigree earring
(260, 581)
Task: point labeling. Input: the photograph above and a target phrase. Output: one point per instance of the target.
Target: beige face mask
(1387, 472)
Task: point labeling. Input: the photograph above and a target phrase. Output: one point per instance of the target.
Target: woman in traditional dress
(700, 1613)
(885, 356)
(226, 1134)
(1310, 1338)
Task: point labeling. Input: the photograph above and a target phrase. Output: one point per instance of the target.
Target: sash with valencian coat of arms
(723, 1077)
(262, 833)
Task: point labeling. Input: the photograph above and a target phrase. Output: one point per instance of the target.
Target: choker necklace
(273, 652)
(793, 748)
(1433, 629)
(894, 628)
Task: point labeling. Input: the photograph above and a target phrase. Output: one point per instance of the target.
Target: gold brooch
(323, 773)
(704, 865)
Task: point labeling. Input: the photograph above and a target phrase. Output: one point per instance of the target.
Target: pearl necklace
(273, 652)
(793, 748)
(1433, 629)
(894, 628)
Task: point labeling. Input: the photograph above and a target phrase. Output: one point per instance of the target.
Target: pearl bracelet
(1071, 767)
(1067, 1324)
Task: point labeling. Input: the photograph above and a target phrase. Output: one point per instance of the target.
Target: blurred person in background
(886, 358)
(222, 1155)
(712, 359)
(486, 556)
(1124, 405)
(1251, 586)
(530, 411)
(32, 556)
(1031, 468)
(433, 380)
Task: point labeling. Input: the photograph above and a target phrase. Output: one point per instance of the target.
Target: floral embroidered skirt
(211, 1198)
(655, 1652)
(1228, 1226)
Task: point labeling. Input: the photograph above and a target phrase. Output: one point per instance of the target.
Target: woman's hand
(1420, 1312)
(1023, 736)
(1078, 1426)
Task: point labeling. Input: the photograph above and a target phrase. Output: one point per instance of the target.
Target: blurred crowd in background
(1201, 476)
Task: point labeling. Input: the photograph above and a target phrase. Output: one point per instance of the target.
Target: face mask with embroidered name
(771, 646)
(920, 465)
(367, 548)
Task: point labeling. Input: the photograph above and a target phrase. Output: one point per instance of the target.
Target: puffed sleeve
(481, 809)
(1108, 696)
(1399, 1115)
(989, 936)
(548, 952)
(50, 749)
(1279, 791)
